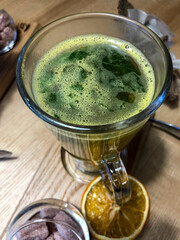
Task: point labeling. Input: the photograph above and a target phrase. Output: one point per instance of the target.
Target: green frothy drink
(93, 80)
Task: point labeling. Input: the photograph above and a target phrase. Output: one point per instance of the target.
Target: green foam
(93, 80)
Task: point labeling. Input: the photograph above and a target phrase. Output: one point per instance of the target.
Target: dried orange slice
(106, 219)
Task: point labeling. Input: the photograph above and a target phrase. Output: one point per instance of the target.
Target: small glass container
(8, 32)
(26, 219)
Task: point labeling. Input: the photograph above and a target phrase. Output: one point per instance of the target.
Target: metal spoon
(6, 155)
(167, 127)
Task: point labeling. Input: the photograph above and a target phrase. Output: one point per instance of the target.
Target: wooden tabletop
(37, 172)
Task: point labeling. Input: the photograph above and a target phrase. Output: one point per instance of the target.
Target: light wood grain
(38, 172)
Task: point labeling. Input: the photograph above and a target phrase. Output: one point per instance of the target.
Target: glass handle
(116, 178)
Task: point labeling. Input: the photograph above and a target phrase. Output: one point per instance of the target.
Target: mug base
(77, 168)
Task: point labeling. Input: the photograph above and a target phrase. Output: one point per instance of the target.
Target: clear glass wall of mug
(84, 147)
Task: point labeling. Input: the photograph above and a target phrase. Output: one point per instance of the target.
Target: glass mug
(88, 150)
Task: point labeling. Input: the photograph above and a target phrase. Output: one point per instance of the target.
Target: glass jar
(40, 220)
